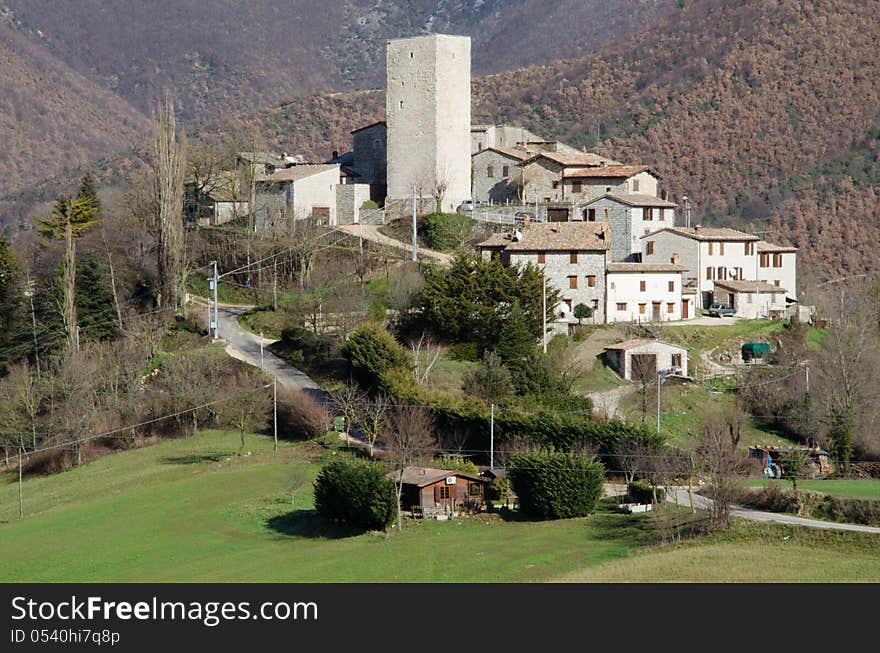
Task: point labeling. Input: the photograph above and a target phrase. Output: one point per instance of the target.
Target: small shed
(428, 490)
(755, 351)
(644, 358)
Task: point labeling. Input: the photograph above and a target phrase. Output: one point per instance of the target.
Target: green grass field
(855, 488)
(192, 510)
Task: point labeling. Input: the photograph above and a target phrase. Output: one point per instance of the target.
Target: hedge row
(356, 493)
(643, 492)
(556, 485)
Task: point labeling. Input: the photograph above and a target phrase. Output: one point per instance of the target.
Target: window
(591, 215)
(505, 171)
(490, 171)
(621, 306)
(721, 248)
(642, 309)
(591, 280)
(765, 260)
(672, 286)
(642, 285)
(710, 274)
(606, 215)
(776, 282)
(542, 257)
(573, 282)
(647, 213)
(676, 360)
(722, 273)
(401, 104)
(555, 184)
(474, 490)
(572, 257)
(710, 247)
(443, 491)
(650, 247)
(567, 302)
(410, 55)
(635, 185)
(749, 298)
(749, 248)
(670, 308)
(777, 260)
(576, 186)
(595, 304)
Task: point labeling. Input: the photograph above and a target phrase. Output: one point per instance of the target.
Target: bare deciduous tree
(169, 165)
(408, 436)
(371, 416)
(426, 353)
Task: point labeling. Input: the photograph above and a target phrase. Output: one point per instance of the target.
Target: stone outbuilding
(645, 357)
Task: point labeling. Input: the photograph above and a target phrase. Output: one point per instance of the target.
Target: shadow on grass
(308, 523)
(194, 458)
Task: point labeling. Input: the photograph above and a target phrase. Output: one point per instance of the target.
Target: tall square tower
(428, 112)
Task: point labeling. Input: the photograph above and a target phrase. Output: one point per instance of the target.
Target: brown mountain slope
(51, 118)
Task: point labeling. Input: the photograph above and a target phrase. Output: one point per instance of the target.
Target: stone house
(369, 148)
(509, 136)
(583, 185)
(497, 174)
(646, 292)
(573, 255)
(296, 193)
(543, 174)
(642, 358)
(350, 199)
(214, 201)
(777, 264)
(630, 216)
(709, 254)
(752, 299)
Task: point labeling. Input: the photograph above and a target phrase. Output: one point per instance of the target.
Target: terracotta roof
(373, 124)
(749, 286)
(645, 267)
(573, 158)
(422, 476)
(297, 172)
(706, 233)
(638, 342)
(520, 155)
(608, 171)
(764, 246)
(555, 236)
(638, 199)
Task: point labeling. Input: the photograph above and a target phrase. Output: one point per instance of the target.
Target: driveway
(369, 232)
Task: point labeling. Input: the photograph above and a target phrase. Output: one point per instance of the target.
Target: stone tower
(428, 113)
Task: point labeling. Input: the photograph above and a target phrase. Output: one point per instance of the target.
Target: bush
(300, 415)
(490, 381)
(457, 464)
(848, 510)
(371, 352)
(556, 485)
(369, 204)
(447, 231)
(643, 492)
(464, 351)
(356, 493)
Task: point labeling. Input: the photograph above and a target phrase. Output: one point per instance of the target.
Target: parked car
(720, 310)
(468, 206)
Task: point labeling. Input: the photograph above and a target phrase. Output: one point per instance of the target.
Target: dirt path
(371, 233)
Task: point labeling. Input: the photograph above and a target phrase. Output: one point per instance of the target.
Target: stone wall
(349, 199)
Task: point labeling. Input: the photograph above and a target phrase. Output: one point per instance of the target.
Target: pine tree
(516, 344)
(11, 298)
(94, 301)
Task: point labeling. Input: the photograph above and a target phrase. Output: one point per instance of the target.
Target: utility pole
(275, 286)
(415, 256)
(77, 337)
(30, 295)
(544, 316)
(261, 350)
(275, 411)
(807, 370)
(687, 211)
(659, 382)
(492, 437)
(20, 489)
(216, 308)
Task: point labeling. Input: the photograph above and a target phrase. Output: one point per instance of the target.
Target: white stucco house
(646, 292)
(777, 265)
(295, 193)
(752, 298)
(709, 254)
(645, 358)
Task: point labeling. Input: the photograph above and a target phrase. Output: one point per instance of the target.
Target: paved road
(245, 346)
(371, 233)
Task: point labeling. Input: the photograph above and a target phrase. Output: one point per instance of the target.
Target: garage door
(557, 215)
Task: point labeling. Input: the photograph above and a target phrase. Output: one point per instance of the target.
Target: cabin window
(474, 490)
(443, 491)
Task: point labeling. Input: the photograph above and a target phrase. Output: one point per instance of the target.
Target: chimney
(336, 156)
(663, 194)
(697, 228)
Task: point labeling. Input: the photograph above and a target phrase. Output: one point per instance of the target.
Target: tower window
(410, 55)
(401, 104)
